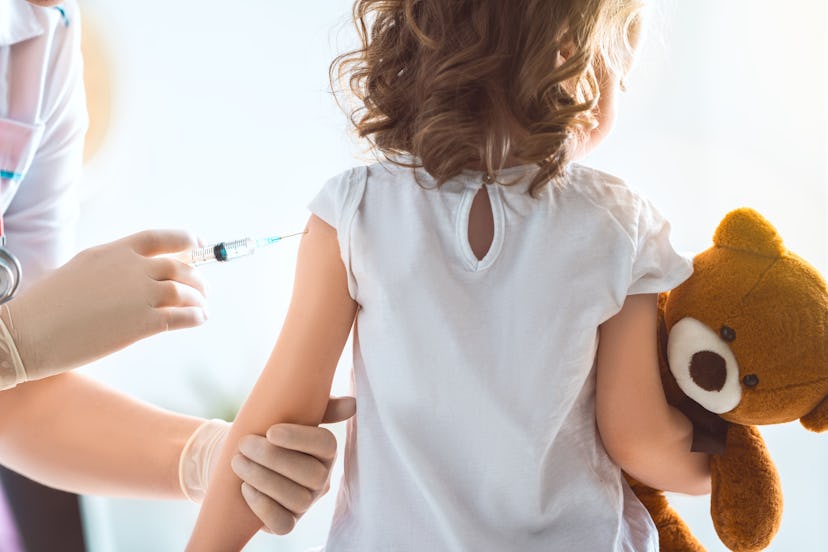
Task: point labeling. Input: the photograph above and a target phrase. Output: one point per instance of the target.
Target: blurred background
(217, 117)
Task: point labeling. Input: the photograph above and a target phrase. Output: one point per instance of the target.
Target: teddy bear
(742, 343)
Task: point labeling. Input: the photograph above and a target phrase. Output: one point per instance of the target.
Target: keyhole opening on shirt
(481, 224)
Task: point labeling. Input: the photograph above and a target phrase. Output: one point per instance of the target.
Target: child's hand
(284, 473)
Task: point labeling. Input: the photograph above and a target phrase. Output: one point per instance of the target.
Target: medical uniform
(43, 121)
(475, 378)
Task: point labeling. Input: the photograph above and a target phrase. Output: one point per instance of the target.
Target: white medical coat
(43, 121)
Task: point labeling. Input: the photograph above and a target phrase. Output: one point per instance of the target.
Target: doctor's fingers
(178, 318)
(339, 409)
(170, 293)
(275, 517)
(167, 268)
(159, 242)
(315, 441)
(301, 468)
(288, 494)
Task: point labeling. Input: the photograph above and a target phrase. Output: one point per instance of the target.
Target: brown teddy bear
(742, 342)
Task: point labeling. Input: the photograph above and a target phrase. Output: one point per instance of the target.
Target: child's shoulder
(377, 170)
(343, 193)
(599, 186)
(608, 193)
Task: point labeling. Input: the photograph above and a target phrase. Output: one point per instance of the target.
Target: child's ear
(817, 419)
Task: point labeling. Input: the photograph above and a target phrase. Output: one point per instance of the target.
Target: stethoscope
(10, 271)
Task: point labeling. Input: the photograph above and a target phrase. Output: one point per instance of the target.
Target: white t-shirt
(475, 427)
(43, 121)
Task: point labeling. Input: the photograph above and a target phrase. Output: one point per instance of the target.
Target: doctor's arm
(293, 387)
(642, 433)
(75, 434)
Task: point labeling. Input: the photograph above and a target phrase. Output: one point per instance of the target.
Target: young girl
(479, 267)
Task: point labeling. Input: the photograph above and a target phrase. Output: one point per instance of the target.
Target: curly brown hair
(481, 84)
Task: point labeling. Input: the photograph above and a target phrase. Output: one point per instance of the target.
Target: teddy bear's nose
(708, 370)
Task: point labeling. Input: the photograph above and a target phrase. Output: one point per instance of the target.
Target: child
(478, 266)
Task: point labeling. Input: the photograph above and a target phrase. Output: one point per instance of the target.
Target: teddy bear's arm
(746, 498)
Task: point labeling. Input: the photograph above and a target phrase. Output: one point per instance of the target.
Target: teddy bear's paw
(746, 497)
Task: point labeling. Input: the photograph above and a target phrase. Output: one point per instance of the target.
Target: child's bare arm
(293, 387)
(642, 433)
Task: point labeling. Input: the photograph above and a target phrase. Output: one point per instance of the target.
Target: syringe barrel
(222, 251)
(238, 248)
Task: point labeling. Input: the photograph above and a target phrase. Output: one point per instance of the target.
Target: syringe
(227, 251)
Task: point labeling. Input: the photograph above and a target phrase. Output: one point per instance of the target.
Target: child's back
(480, 382)
(476, 421)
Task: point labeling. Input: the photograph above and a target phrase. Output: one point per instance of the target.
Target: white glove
(282, 474)
(198, 458)
(102, 300)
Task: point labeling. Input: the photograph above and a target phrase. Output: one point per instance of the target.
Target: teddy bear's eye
(727, 333)
(703, 365)
(751, 380)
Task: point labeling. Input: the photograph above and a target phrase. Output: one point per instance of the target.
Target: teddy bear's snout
(708, 370)
(704, 366)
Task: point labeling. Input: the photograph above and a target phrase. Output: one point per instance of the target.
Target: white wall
(224, 125)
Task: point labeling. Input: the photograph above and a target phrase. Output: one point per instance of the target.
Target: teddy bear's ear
(817, 419)
(746, 230)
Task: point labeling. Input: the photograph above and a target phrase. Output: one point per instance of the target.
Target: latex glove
(284, 473)
(199, 456)
(102, 300)
(291, 466)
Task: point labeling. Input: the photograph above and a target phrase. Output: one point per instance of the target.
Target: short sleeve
(657, 266)
(337, 204)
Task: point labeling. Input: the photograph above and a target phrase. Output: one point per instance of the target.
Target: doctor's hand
(284, 473)
(104, 299)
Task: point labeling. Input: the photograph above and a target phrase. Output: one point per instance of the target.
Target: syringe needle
(273, 239)
(291, 235)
